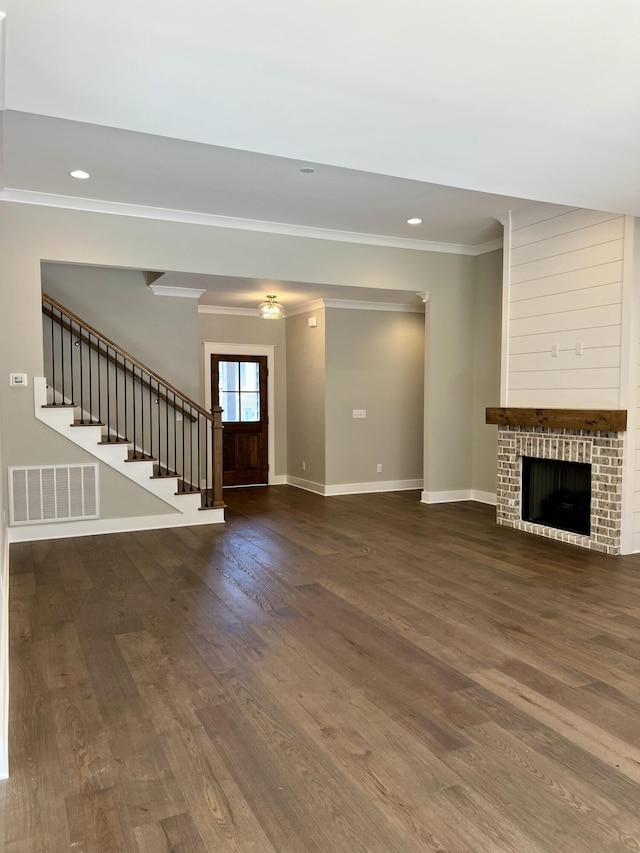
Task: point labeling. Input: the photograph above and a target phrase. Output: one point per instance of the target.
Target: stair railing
(113, 388)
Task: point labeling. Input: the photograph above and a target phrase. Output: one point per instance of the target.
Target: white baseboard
(484, 497)
(368, 488)
(460, 495)
(4, 659)
(307, 485)
(355, 488)
(96, 527)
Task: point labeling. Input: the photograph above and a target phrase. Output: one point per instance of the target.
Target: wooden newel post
(216, 456)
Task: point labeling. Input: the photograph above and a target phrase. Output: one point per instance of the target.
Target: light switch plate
(359, 413)
(18, 380)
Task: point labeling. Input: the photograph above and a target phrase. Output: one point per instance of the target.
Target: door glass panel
(250, 406)
(230, 402)
(249, 372)
(229, 376)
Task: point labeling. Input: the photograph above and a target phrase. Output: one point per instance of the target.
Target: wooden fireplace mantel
(596, 420)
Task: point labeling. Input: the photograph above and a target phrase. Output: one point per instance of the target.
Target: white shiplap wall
(565, 288)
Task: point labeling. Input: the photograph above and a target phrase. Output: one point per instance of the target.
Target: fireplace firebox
(557, 494)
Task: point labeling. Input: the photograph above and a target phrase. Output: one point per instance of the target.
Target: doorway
(239, 386)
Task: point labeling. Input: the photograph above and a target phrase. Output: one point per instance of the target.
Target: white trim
(223, 309)
(278, 480)
(65, 530)
(369, 488)
(446, 497)
(354, 305)
(210, 348)
(307, 485)
(506, 303)
(91, 205)
(168, 290)
(355, 488)
(4, 658)
(484, 497)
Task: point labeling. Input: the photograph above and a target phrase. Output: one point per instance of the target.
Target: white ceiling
(450, 111)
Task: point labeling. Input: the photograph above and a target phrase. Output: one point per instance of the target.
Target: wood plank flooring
(323, 675)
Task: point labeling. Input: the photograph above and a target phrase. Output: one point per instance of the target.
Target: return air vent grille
(53, 493)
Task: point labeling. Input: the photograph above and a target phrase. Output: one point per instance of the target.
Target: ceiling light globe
(271, 310)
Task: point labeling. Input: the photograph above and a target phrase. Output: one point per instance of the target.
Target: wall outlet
(555, 350)
(304, 466)
(359, 413)
(579, 348)
(379, 468)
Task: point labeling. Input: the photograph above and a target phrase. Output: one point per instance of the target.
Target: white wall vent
(53, 493)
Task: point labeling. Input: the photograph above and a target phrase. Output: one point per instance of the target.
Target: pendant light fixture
(271, 310)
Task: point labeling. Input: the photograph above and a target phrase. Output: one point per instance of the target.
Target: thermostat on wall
(18, 379)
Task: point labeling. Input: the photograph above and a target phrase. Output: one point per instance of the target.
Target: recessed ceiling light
(414, 221)
(80, 174)
(307, 170)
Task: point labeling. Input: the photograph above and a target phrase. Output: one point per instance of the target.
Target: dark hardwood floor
(360, 673)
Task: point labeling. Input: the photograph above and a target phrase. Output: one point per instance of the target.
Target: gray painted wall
(161, 331)
(306, 397)
(374, 361)
(487, 330)
(449, 379)
(227, 328)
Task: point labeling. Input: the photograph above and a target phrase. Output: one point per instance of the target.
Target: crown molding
(184, 292)
(353, 305)
(223, 309)
(17, 196)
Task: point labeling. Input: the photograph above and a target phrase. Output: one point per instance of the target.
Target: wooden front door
(239, 385)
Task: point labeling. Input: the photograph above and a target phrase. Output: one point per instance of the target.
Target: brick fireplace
(594, 438)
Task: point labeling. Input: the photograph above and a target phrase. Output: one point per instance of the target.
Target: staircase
(109, 403)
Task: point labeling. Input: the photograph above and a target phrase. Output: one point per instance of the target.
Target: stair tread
(115, 441)
(166, 476)
(58, 406)
(140, 457)
(87, 423)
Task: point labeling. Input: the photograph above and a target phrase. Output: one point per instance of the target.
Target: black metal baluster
(117, 394)
(159, 430)
(175, 436)
(72, 347)
(206, 459)
(184, 467)
(91, 417)
(135, 426)
(198, 465)
(99, 355)
(53, 359)
(126, 396)
(191, 448)
(108, 395)
(166, 414)
(64, 399)
(79, 342)
(142, 413)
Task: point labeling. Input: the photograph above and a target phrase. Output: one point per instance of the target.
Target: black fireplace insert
(557, 494)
